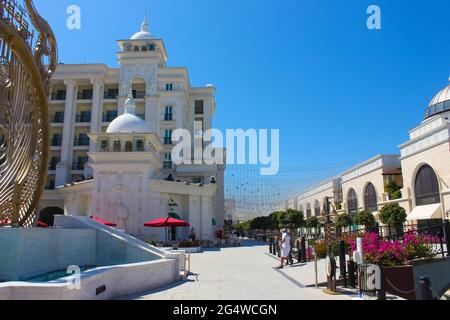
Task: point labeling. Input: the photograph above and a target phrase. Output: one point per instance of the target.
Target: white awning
(432, 211)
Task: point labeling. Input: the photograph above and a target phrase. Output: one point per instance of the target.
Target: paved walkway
(244, 273)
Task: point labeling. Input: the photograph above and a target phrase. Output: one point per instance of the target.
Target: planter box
(404, 281)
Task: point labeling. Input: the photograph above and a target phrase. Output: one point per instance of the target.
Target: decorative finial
(144, 25)
(130, 103)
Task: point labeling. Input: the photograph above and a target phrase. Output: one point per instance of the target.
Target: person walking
(193, 235)
(285, 247)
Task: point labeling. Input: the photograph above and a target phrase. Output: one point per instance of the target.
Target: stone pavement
(244, 273)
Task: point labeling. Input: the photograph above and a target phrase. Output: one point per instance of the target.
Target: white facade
(87, 99)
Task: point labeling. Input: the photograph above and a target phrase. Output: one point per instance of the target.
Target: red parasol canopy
(104, 222)
(41, 224)
(166, 222)
(6, 221)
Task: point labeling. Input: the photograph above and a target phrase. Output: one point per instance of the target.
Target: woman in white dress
(285, 247)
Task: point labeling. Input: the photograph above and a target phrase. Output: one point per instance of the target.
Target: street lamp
(329, 219)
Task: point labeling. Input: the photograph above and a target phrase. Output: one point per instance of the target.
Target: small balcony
(56, 142)
(168, 165)
(111, 94)
(83, 118)
(110, 116)
(58, 96)
(81, 142)
(78, 166)
(57, 118)
(85, 95)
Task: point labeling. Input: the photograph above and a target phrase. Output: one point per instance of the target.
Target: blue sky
(339, 92)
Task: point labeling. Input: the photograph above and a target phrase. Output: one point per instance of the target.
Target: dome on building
(144, 34)
(440, 103)
(129, 122)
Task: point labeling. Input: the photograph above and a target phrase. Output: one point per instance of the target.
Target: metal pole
(351, 274)
(342, 262)
(447, 235)
(425, 289)
(315, 267)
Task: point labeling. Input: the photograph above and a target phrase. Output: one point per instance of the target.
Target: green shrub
(365, 218)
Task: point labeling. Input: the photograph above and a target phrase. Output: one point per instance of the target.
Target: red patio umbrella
(104, 222)
(166, 222)
(6, 221)
(41, 224)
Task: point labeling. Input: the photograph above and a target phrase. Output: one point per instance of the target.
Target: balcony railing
(111, 94)
(56, 142)
(58, 96)
(109, 117)
(139, 94)
(57, 119)
(168, 165)
(85, 95)
(81, 142)
(78, 166)
(83, 118)
(168, 141)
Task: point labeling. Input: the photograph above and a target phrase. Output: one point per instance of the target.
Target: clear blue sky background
(338, 91)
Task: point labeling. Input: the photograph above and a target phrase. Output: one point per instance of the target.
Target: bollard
(351, 274)
(425, 288)
(447, 235)
(342, 262)
(303, 248)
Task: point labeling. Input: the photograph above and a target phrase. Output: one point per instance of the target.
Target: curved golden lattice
(26, 66)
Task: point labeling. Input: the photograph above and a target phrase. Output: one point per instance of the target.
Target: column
(152, 113)
(220, 197)
(195, 215)
(97, 106)
(64, 168)
(207, 216)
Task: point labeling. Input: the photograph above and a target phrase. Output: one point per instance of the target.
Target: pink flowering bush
(395, 253)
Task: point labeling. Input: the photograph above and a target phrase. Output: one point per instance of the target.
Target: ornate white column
(207, 216)
(195, 215)
(152, 113)
(64, 168)
(97, 104)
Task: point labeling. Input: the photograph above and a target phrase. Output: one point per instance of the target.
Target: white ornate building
(422, 170)
(111, 142)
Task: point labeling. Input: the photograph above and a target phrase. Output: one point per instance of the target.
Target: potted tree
(344, 221)
(365, 218)
(394, 216)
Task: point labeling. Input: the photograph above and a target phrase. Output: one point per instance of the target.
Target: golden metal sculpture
(28, 58)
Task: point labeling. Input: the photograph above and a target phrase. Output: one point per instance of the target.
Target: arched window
(370, 198)
(301, 210)
(427, 187)
(352, 202)
(308, 211)
(117, 147)
(317, 208)
(128, 146)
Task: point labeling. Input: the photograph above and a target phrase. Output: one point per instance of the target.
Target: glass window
(370, 198)
(317, 209)
(128, 146)
(427, 187)
(117, 146)
(169, 86)
(199, 107)
(352, 202)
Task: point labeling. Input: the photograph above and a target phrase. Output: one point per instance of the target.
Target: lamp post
(329, 219)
